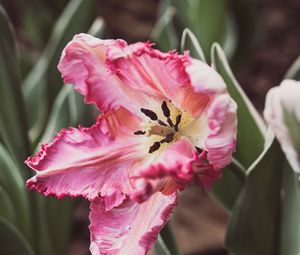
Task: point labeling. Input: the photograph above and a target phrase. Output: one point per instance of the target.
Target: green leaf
(255, 222)
(160, 247)
(13, 128)
(43, 243)
(12, 241)
(59, 219)
(196, 45)
(97, 28)
(206, 18)
(250, 138)
(227, 189)
(230, 39)
(294, 71)
(44, 82)
(13, 183)
(60, 116)
(6, 207)
(169, 240)
(164, 31)
(290, 220)
(246, 26)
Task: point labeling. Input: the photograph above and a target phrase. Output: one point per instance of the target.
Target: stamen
(154, 147)
(140, 132)
(169, 138)
(160, 122)
(170, 122)
(178, 119)
(165, 109)
(151, 114)
(198, 150)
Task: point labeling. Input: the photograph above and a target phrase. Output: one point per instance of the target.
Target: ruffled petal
(111, 73)
(188, 83)
(89, 161)
(204, 79)
(205, 173)
(287, 96)
(150, 71)
(174, 161)
(83, 64)
(167, 172)
(221, 140)
(131, 228)
(205, 85)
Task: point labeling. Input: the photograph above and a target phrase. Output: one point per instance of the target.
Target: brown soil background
(199, 223)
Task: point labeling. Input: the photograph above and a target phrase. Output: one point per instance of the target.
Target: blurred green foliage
(230, 23)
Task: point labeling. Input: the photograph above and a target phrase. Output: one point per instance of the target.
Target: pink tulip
(167, 119)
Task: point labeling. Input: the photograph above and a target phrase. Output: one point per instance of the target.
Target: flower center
(166, 129)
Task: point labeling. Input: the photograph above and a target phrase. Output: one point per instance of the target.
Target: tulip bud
(282, 113)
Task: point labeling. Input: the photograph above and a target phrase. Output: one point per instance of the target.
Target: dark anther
(198, 150)
(160, 122)
(154, 147)
(170, 122)
(140, 132)
(165, 109)
(151, 114)
(169, 138)
(178, 119)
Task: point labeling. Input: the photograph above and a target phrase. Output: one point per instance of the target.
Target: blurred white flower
(282, 112)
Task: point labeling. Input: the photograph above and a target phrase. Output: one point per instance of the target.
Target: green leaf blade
(160, 247)
(7, 210)
(294, 71)
(290, 220)
(227, 189)
(255, 222)
(13, 127)
(164, 31)
(249, 146)
(13, 183)
(12, 241)
(43, 83)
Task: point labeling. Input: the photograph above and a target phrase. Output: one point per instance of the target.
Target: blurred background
(260, 38)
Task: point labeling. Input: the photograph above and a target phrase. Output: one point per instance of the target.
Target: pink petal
(221, 140)
(110, 74)
(83, 64)
(169, 75)
(131, 228)
(89, 161)
(205, 85)
(205, 173)
(171, 170)
(176, 160)
(205, 79)
(148, 70)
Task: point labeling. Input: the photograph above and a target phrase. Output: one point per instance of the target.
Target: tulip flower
(167, 119)
(282, 112)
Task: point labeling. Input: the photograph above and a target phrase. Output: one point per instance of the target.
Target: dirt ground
(198, 221)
